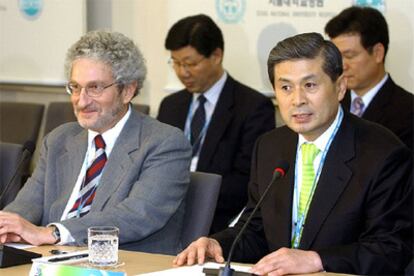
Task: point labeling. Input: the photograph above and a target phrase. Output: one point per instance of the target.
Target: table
(135, 262)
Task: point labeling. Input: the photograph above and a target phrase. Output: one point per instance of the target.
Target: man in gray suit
(115, 166)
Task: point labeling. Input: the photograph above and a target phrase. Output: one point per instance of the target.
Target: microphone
(10, 256)
(279, 172)
(28, 149)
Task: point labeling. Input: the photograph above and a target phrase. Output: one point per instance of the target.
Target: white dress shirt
(367, 97)
(212, 95)
(321, 143)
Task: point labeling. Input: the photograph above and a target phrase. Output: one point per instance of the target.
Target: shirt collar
(110, 135)
(322, 141)
(213, 93)
(367, 98)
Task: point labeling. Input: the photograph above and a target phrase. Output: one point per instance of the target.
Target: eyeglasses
(92, 90)
(188, 66)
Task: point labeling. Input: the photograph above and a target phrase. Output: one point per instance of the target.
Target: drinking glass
(103, 245)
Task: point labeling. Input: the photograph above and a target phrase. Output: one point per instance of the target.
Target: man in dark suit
(232, 116)
(345, 205)
(361, 34)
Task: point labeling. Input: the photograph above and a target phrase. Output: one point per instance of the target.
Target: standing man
(115, 166)
(361, 34)
(346, 204)
(220, 116)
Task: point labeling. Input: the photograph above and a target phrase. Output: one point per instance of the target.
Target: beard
(101, 119)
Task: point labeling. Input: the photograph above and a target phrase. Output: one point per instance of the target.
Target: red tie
(90, 183)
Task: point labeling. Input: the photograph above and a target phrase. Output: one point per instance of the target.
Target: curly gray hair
(114, 49)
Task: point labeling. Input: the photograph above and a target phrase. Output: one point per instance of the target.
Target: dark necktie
(197, 124)
(90, 183)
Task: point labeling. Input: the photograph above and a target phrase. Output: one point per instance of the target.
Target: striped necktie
(309, 153)
(357, 106)
(91, 180)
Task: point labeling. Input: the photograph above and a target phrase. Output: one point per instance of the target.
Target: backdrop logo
(376, 4)
(230, 11)
(31, 8)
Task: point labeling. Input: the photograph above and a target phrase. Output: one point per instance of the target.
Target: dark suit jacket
(240, 117)
(392, 107)
(360, 218)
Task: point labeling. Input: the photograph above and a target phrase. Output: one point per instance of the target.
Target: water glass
(103, 245)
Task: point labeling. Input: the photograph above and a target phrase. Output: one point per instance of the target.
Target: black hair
(198, 31)
(306, 46)
(368, 22)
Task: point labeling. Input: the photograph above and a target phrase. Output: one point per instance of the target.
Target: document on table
(19, 245)
(195, 270)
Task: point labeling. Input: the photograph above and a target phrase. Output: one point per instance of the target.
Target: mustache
(87, 108)
(300, 111)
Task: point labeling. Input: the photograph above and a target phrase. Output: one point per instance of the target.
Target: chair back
(20, 122)
(10, 155)
(201, 201)
(143, 108)
(58, 113)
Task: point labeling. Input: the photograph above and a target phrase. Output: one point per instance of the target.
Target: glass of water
(103, 245)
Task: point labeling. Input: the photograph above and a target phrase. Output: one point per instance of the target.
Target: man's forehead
(308, 77)
(186, 52)
(299, 68)
(90, 67)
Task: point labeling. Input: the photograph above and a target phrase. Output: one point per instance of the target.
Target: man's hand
(288, 261)
(200, 249)
(14, 228)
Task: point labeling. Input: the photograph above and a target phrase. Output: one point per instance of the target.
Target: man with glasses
(114, 167)
(221, 117)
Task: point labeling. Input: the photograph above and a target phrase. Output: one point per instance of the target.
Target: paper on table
(195, 270)
(19, 245)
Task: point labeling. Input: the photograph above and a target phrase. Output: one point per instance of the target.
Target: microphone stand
(227, 270)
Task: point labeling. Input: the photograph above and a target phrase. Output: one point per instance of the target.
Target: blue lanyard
(299, 219)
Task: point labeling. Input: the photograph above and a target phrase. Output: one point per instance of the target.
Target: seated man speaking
(115, 166)
(346, 203)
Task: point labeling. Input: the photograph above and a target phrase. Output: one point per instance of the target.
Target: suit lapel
(220, 120)
(333, 180)
(120, 161)
(375, 110)
(68, 167)
(282, 196)
(180, 112)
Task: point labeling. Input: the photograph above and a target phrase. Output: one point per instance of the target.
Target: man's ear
(129, 91)
(217, 55)
(341, 87)
(378, 51)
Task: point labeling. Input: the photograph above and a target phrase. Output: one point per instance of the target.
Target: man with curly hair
(114, 166)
